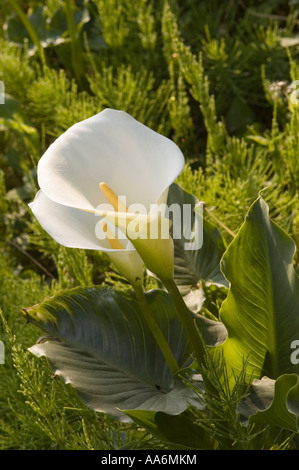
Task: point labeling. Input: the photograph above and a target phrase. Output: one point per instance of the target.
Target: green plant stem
(195, 338)
(76, 49)
(188, 321)
(153, 326)
(31, 31)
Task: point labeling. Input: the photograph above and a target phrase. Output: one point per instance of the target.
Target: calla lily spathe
(112, 147)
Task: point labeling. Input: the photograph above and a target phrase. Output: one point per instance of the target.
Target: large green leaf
(202, 262)
(100, 344)
(274, 402)
(198, 248)
(261, 311)
(179, 432)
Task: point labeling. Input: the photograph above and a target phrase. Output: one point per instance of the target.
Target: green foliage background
(213, 76)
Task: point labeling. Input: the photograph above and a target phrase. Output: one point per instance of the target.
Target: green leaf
(261, 311)
(201, 263)
(100, 344)
(50, 31)
(179, 431)
(12, 117)
(274, 402)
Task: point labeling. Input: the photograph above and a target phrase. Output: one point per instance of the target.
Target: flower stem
(155, 329)
(193, 334)
(198, 346)
(188, 321)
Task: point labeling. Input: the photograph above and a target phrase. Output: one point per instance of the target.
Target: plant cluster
(217, 79)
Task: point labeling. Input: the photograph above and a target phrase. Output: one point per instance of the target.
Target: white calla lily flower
(137, 163)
